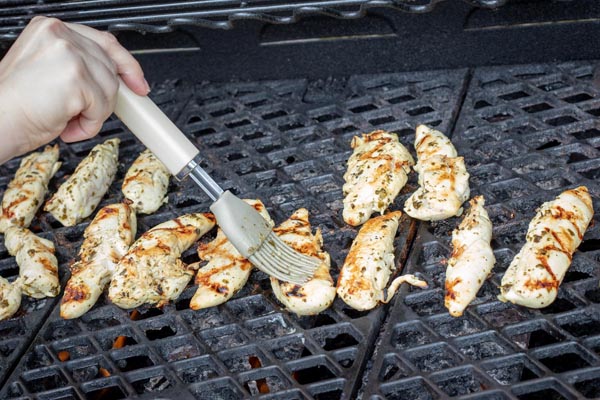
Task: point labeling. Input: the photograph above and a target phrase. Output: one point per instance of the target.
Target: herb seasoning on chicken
(472, 258)
(10, 297)
(106, 240)
(227, 270)
(25, 193)
(146, 183)
(151, 271)
(370, 263)
(318, 293)
(81, 193)
(377, 171)
(38, 267)
(443, 178)
(533, 277)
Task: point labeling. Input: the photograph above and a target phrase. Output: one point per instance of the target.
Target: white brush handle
(155, 130)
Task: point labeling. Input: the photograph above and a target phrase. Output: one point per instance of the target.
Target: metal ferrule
(202, 179)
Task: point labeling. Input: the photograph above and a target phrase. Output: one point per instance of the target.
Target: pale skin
(60, 79)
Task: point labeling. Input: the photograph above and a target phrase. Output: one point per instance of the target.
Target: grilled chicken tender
(318, 293)
(472, 259)
(151, 271)
(370, 263)
(146, 183)
(79, 195)
(227, 270)
(533, 277)
(10, 298)
(106, 240)
(38, 267)
(443, 178)
(26, 192)
(377, 171)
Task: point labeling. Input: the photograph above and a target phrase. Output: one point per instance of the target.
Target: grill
(527, 133)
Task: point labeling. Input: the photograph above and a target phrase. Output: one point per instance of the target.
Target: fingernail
(147, 86)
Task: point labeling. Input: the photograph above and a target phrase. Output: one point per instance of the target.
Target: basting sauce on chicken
(370, 263)
(25, 193)
(151, 271)
(533, 277)
(443, 178)
(106, 240)
(227, 270)
(81, 193)
(318, 293)
(472, 258)
(377, 171)
(146, 183)
(38, 267)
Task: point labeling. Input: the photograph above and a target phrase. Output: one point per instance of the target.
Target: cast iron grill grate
(17, 333)
(287, 143)
(527, 133)
(164, 16)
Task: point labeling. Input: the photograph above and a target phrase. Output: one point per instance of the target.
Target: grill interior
(527, 134)
(283, 141)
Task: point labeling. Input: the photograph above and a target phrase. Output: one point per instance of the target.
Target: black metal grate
(17, 333)
(527, 134)
(164, 16)
(287, 143)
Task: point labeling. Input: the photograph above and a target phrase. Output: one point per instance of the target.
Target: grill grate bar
(163, 16)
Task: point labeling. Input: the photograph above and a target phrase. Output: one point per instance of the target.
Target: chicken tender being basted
(318, 293)
(10, 298)
(227, 270)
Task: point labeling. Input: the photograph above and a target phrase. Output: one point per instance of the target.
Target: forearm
(13, 141)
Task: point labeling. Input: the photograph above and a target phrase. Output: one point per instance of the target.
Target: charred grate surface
(164, 16)
(16, 333)
(287, 143)
(527, 133)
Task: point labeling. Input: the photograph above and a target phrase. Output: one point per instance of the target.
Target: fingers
(98, 94)
(127, 66)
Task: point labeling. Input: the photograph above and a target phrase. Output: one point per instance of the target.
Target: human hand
(60, 79)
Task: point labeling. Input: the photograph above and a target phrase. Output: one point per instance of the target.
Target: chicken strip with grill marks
(443, 178)
(106, 240)
(81, 193)
(38, 267)
(318, 293)
(472, 258)
(151, 271)
(25, 193)
(377, 171)
(533, 277)
(370, 263)
(227, 270)
(146, 183)
(10, 298)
